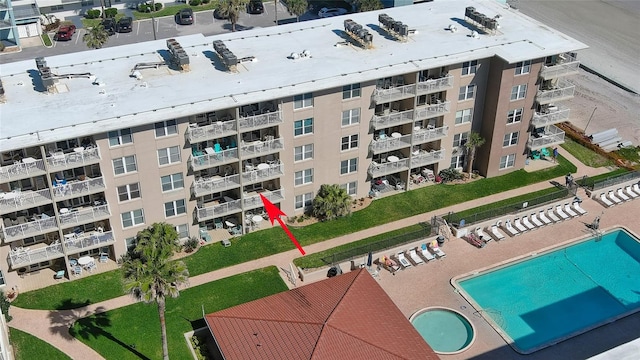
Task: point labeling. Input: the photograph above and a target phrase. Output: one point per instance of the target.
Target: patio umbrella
(369, 259)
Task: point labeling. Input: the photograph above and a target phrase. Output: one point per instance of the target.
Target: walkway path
(34, 321)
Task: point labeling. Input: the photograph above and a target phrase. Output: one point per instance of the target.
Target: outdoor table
(229, 224)
(85, 260)
(393, 158)
(396, 135)
(209, 150)
(79, 149)
(257, 219)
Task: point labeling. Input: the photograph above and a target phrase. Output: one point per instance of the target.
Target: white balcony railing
(21, 170)
(435, 85)
(258, 175)
(24, 257)
(218, 210)
(76, 158)
(563, 91)
(560, 69)
(79, 188)
(422, 136)
(85, 216)
(377, 170)
(214, 184)
(395, 93)
(210, 160)
(20, 200)
(429, 111)
(427, 157)
(390, 143)
(254, 201)
(260, 121)
(552, 115)
(258, 148)
(216, 130)
(550, 137)
(392, 119)
(31, 228)
(93, 240)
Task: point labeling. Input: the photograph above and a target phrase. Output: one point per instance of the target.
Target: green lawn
(585, 155)
(133, 332)
(29, 347)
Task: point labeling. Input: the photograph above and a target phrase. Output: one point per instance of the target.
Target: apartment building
(191, 131)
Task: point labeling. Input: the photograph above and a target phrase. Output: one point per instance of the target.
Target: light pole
(275, 2)
(153, 19)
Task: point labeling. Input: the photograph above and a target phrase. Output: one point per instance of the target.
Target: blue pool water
(446, 331)
(541, 300)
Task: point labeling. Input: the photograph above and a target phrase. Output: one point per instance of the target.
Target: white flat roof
(29, 117)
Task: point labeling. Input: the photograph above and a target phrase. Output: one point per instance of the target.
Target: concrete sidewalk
(52, 326)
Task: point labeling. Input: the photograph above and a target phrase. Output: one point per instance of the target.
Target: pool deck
(429, 285)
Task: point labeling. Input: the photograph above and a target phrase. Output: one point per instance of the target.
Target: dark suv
(255, 7)
(125, 25)
(185, 17)
(109, 25)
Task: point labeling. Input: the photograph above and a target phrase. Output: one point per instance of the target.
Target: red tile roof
(344, 317)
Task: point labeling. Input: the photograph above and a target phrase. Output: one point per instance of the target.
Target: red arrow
(274, 214)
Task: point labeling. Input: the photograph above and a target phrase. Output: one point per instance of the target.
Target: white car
(325, 13)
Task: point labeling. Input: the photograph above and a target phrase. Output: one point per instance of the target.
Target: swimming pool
(538, 301)
(445, 330)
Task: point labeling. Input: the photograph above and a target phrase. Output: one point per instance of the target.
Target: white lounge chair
(552, 216)
(438, 252)
(535, 221)
(569, 211)
(414, 257)
(612, 196)
(481, 235)
(620, 194)
(403, 260)
(630, 192)
(509, 228)
(636, 188)
(518, 225)
(605, 200)
(561, 213)
(576, 206)
(543, 217)
(424, 250)
(527, 223)
(495, 232)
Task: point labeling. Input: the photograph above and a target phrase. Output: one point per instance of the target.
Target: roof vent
(395, 28)
(483, 21)
(358, 33)
(294, 56)
(474, 34)
(452, 28)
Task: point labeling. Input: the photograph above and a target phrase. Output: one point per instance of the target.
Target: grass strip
(29, 347)
(585, 155)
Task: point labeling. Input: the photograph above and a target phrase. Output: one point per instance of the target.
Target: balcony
(263, 172)
(377, 170)
(214, 184)
(390, 143)
(78, 157)
(434, 85)
(254, 201)
(258, 148)
(565, 65)
(422, 136)
(27, 167)
(85, 216)
(424, 158)
(551, 136)
(260, 121)
(74, 189)
(392, 119)
(25, 257)
(92, 241)
(552, 115)
(210, 160)
(230, 206)
(216, 130)
(21, 200)
(31, 228)
(563, 91)
(381, 95)
(428, 111)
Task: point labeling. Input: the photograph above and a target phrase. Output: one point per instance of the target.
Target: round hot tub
(445, 330)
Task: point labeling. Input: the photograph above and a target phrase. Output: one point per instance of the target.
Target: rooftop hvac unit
(404, 30)
(229, 58)
(45, 71)
(182, 58)
(468, 11)
(1, 88)
(171, 43)
(40, 62)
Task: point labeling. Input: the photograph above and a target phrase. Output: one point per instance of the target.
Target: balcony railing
(20, 258)
(77, 158)
(94, 240)
(260, 121)
(395, 93)
(15, 201)
(85, 216)
(377, 170)
(429, 111)
(252, 202)
(552, 136)
(31, 228)
(211, 212)
(562, 91)
(210, 160)
(553, 115)
(79, 188)
(216, 130)
(258, 148)
(22, 170)
(203, 187)
(392, 119)
(427, 158)
(560, 69)
(435, 85)
(272, 172)
(390, 143)
(422, 136)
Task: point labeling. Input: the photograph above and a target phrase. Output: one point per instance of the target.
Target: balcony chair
(59, 274)
(104, 257)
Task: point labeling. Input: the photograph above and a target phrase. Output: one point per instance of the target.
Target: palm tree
(331, 202)
(232, 9)
(297, 7)
(474, 142)
(150, 275)
(96, 37)
(368, 5)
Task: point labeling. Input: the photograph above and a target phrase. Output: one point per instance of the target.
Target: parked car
(125, 25)
(185, 17)
(64, 33)
(330, 12)
(109, 25)
(255, 7)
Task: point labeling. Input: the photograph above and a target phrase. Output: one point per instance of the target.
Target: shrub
(4, 305)
(206, 1)
(54, 25)
(158, 6)
(92, 14)
(190, 245)
(110, 12)
(145, 8)
(450, 175)
(195, 2)
(1, 46)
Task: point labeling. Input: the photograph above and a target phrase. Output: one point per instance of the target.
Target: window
(131, 243)
(466, 92)
(172, 182)
(463, 116)
(183, 231)
(303, 201)
(304, 152)
(469, 67)
(514, 116)
(124, 165)
(169, 155)
(510, 139)
(460, 139)
(519, 92)
(120, 137)
(350, 142)
(164, 128)
(350, 91)
(129, 192)
(350, 117)
(523, 67)
(303, 101)
(349, 166)
(302, 127)
(173, 208)
(457, 162)
(304, 177)
(351, 188)
(507, 161)
(132, 218)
